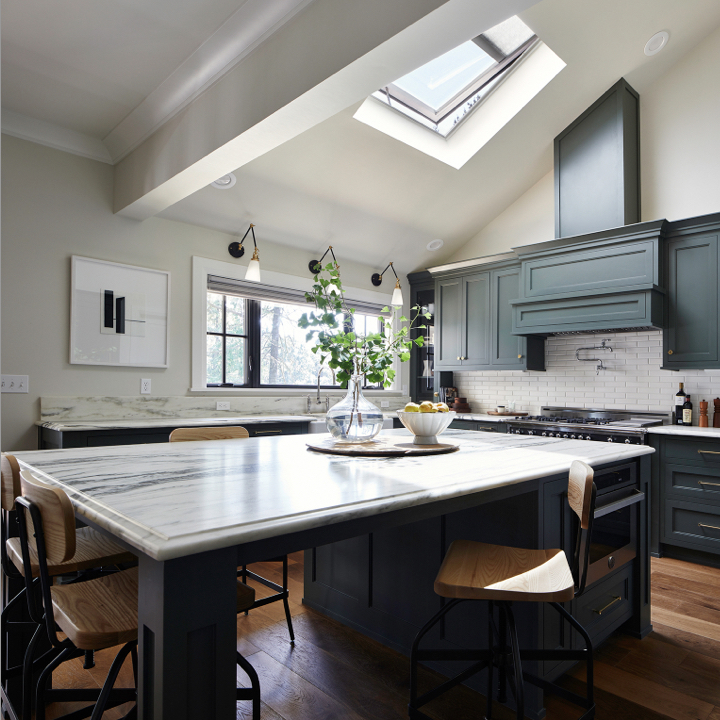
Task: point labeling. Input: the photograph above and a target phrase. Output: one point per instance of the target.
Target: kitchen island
(194, 511)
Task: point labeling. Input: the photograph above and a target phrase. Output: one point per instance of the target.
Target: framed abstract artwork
(118, 314)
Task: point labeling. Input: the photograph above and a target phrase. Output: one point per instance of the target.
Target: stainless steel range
(623, 426)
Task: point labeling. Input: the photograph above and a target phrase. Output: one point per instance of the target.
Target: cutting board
(512, 414)
(380, 448)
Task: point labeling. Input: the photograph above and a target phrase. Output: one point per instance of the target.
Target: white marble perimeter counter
(685, 431)
(170, 501)
(480, 417)
(76, 425)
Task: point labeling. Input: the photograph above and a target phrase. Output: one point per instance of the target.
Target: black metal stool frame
(509, 657)
(105, 698)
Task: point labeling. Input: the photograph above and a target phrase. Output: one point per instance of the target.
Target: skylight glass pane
(440, 80)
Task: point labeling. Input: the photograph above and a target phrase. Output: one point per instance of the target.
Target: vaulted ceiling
(118, 78)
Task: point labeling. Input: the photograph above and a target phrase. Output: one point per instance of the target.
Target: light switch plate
(384, 403)
(220, 405)
(145, 386)
(14, 384)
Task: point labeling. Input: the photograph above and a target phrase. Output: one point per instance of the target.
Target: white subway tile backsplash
(633, 379)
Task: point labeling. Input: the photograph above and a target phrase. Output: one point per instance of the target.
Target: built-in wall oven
(614, 537)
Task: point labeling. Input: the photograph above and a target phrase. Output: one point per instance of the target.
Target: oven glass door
(614, 532)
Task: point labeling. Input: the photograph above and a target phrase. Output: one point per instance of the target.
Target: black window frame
(253, 346)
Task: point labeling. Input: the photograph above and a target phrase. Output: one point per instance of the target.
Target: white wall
(56, 205)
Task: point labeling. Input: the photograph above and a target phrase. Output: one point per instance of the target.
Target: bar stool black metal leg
(502, 670)
(89, 660)
(288, 617)
(107, 687)
(491, 643)
(517, 662)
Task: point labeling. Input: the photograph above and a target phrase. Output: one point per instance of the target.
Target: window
(256, 342)
(443, 92)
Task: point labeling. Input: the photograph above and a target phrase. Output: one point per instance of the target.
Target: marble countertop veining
(685, 431)
(75, 425)
(170, 501)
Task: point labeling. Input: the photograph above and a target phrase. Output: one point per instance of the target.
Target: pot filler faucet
(602, 346)
(318, 401)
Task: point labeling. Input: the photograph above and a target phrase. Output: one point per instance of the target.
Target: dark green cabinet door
(476, 321)
(448, 326)
(691, 339)
(508, 350)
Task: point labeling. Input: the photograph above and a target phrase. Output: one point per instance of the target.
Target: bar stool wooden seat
(92, 550)
(502, 575)
(281, 591)
(94, 615)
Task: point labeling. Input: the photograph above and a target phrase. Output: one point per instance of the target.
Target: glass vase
(354, 419)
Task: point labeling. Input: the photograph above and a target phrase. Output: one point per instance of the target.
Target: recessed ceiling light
(225, 182)
(656, 43)
(435, 244)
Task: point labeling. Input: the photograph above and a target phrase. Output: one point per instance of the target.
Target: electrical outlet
(145, 385)
(222, 405)
(404, 389)
(14, 384)
(384, 403)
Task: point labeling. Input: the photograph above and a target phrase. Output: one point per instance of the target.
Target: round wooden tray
(380, 448)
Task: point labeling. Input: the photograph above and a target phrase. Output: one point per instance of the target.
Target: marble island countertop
(195, 496)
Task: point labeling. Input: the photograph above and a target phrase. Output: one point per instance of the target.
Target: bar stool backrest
(205, 433)
(9, 481)
(581, 498)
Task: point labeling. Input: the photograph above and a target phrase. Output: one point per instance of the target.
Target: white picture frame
(119, 314)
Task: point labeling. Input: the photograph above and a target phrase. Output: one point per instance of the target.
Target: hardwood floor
(334, 673)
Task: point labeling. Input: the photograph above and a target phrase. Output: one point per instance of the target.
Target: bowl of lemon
(426, 421)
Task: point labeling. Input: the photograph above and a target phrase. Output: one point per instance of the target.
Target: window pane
(235, 315)
(440, 80)
(285, 356)
(214, 313)
(235, 362)
(214, 359)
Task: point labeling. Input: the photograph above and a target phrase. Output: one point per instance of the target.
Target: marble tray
(381, 448)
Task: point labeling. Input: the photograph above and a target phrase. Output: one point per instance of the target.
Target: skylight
(441, 93)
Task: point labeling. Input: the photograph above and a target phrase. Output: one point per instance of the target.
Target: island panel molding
(118, 314)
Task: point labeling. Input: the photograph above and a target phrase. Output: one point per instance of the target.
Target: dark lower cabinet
(686, 488)
(55, 439)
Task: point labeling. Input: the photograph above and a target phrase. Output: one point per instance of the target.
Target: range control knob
(544, 434)
(587, 437)
(627, 441)
(531, 432)
(572, 437)
(610, 440)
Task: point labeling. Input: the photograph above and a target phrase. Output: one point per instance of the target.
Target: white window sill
(289, 392)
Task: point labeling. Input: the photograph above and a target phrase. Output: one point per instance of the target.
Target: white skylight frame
(521, 83)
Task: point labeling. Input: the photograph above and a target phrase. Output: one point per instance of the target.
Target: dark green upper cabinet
(474, 323)
(597, 177)
(691, 338)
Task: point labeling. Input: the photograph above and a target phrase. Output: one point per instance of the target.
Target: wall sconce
(237, 250)
(397, 298)
(312, 265)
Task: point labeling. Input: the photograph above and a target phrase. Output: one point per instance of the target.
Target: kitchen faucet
(318, 401)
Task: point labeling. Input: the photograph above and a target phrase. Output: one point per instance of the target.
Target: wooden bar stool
(501, 575)
(281, 591)
(93, 550)
(94, 615)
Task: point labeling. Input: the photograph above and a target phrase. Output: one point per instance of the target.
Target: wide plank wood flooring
(334, 673)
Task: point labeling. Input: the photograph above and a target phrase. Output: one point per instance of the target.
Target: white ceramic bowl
(426, 426)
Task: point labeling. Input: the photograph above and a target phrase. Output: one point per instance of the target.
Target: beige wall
(56, 205)
(679, 158)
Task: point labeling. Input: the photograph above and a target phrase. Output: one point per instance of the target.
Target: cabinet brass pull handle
(458, 357)
(519, 357)
(670, 352)
(616, 598)
(708, 452)
(710, 527)
(266, 432)
(705, 482)
(490, 429)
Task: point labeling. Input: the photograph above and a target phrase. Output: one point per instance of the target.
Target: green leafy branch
(346, 352)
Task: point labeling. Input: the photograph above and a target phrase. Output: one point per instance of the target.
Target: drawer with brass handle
(700, 451)
(606, 604)
(692, 525)
(690, 482)
(603, 609)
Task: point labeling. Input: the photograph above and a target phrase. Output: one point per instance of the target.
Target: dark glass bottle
(687, 411)
(679, 402)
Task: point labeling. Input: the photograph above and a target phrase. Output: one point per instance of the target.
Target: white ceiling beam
(326, 58)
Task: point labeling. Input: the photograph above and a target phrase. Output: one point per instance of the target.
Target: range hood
(607, 281)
